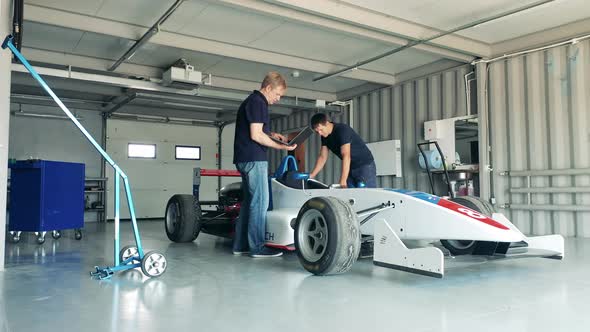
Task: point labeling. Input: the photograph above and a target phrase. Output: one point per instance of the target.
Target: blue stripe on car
(418, 194)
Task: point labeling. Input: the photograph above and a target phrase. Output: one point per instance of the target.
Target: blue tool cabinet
(46, 196)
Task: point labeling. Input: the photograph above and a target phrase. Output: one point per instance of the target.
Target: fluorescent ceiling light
(194, 106)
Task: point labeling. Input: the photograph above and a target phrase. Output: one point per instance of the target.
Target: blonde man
(250, 145)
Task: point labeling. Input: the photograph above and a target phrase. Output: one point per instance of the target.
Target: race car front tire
(466, 247)
(183, 218)
(327, 236)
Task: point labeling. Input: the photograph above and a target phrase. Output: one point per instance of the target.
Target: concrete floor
(206, 288)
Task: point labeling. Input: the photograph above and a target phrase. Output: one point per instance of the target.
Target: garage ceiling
(238, 41)
(448, 14)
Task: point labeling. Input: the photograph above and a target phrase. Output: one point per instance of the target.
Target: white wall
(55, 139)
(154, 181)
(5, 57)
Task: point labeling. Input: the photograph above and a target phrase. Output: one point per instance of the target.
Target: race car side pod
(135, 257)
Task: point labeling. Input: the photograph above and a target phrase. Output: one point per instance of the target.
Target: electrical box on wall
(388, 157)
(437, 129)
(443, 132)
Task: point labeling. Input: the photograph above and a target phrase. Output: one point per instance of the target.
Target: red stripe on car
(470, 213)
(290, 247)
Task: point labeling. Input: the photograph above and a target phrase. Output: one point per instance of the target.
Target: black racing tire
(466, 247)
(327, 236)
(183, 218)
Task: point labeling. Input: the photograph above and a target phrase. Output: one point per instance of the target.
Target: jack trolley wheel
(78, 234)
(56, 234)
(153, 264)
(127, 252)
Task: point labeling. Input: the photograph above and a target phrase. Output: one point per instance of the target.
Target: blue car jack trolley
(153, 263)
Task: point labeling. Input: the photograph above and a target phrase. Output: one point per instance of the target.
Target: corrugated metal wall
(396, 112)
(539, 120)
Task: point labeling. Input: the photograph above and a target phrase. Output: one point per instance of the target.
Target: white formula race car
(327, 225)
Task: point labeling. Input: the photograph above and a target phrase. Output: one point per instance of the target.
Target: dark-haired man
(358, 165)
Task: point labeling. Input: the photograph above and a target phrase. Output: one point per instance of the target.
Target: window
(184, 152)
(147, 151)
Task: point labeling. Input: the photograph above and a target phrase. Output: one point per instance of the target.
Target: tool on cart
(153, 263)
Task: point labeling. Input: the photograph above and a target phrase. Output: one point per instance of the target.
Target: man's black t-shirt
(342, 134)
(252, 110)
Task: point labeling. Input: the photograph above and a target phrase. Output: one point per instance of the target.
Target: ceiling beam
(87, 62)
(412, 74)
(256, 55)
(133, 32)
(127, 109)
(342, 11)
(158, 92)
(428, 70)
(20, 79)
(242, 85)
(292, 14)
(544, 37)
(146, 36)
(359, 90)
(57, 58)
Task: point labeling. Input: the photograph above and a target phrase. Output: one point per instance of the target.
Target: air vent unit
(182, 77)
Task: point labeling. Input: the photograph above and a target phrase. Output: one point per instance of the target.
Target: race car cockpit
(288, 174)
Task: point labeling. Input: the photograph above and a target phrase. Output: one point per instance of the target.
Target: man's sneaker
(267, 252)
(241, 252)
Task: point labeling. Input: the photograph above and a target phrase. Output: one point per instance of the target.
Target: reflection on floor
(206, 288)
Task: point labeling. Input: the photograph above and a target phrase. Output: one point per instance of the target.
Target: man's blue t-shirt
(360, 154)
(252, 110)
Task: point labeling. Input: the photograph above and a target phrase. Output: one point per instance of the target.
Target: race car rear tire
(183, 218)
(327, 236)
(466, 247)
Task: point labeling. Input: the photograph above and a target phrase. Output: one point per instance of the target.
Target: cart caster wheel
(41, 239)
(127, 252)
(78, 234)
(56, 234)
(153, 264)
(14, 236)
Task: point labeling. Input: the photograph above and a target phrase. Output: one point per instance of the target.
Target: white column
(484, 142)
(5, 56)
